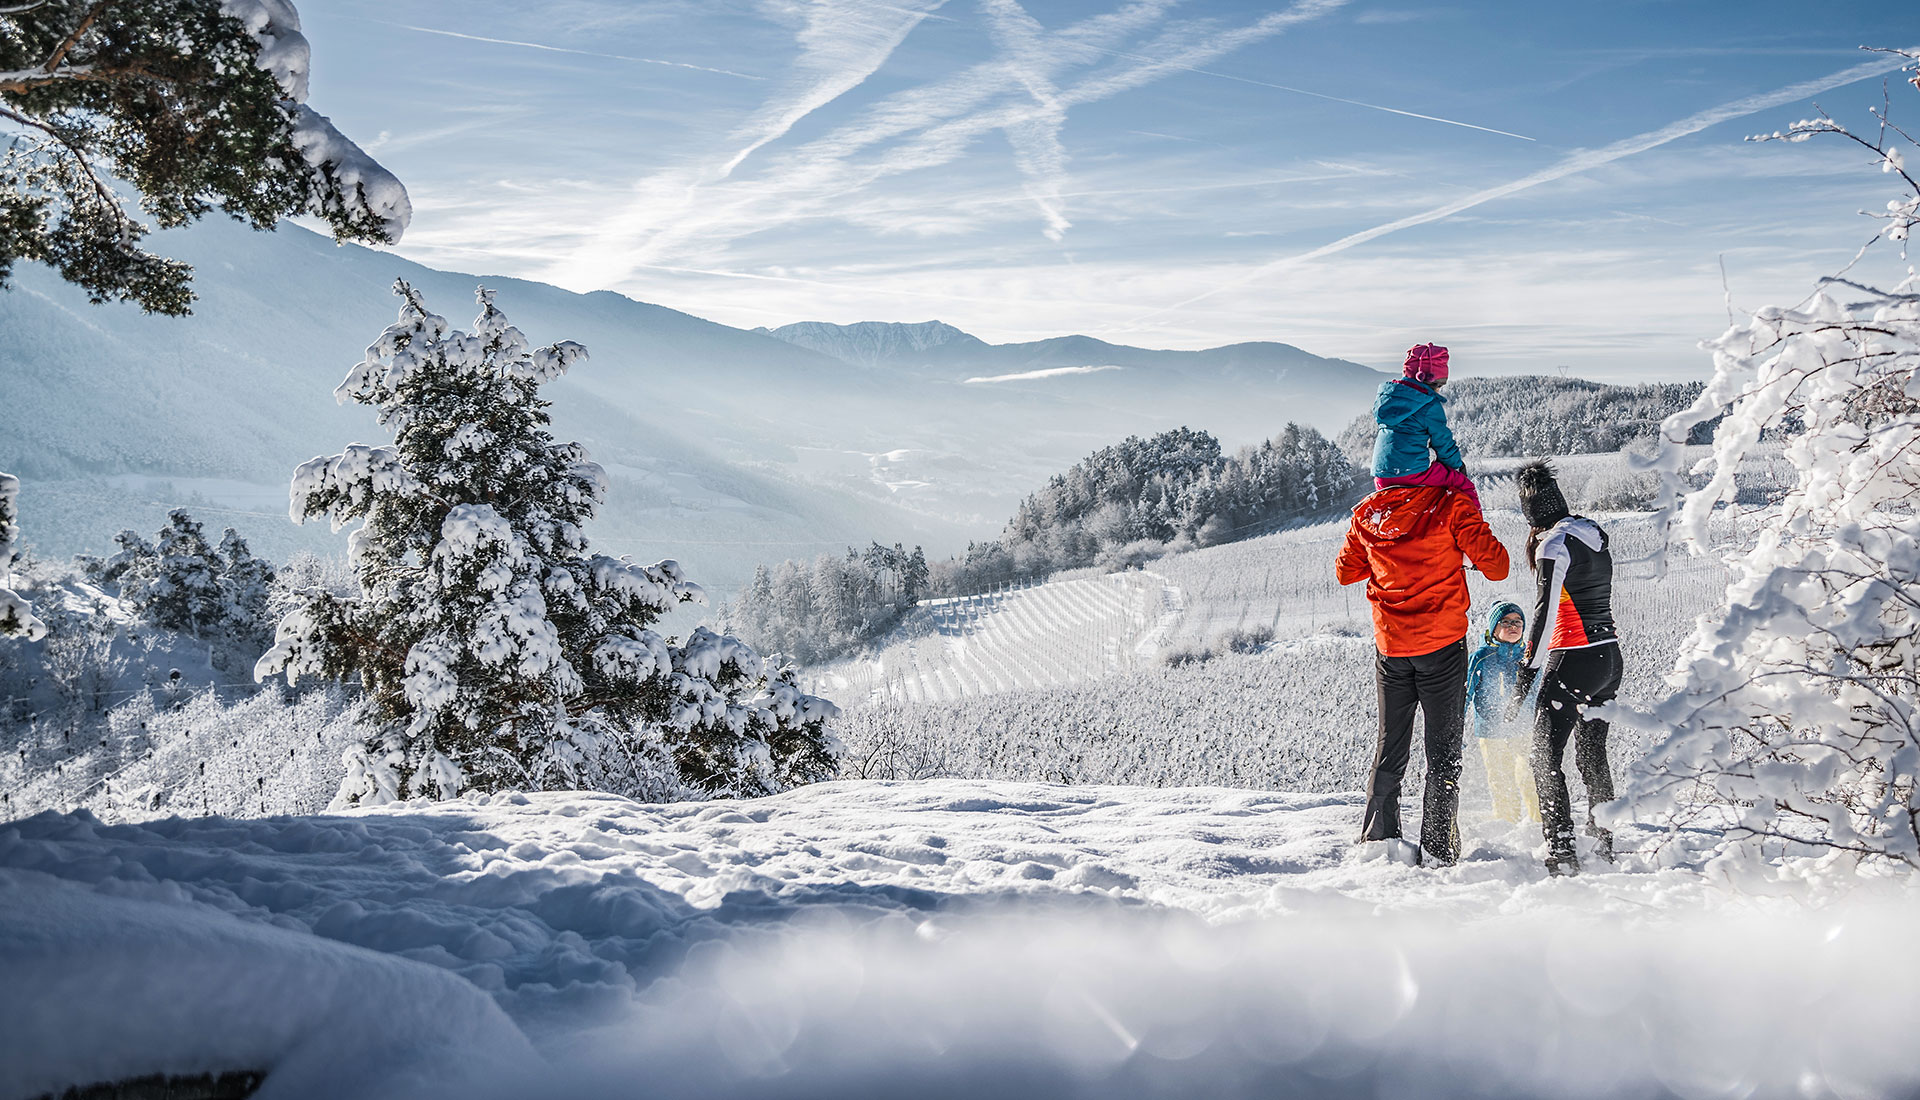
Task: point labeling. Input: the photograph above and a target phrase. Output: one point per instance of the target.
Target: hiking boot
(1602, 842)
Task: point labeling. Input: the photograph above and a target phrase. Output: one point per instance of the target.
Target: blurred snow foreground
(946, 938)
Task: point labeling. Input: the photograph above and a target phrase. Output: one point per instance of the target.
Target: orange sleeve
(1352, 565)
(1475, 539)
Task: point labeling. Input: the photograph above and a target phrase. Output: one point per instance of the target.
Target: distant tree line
(1118, 507)
(1535, 415)
(1134, 501)
(817, 610)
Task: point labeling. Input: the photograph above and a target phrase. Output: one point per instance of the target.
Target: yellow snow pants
(1510, 778)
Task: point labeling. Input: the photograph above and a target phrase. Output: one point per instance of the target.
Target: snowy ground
(950, 938)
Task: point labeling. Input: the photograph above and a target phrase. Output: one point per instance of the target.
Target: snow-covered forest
(1535, 415)
(467, 786)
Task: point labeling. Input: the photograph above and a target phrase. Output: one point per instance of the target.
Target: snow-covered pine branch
(1794, 711)
(497, 650)
(197, 104)
(16, 612)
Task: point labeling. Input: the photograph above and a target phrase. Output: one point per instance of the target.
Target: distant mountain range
(726, 447)
(937, 349)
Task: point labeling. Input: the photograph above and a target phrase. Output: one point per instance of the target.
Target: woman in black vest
(1572, 638)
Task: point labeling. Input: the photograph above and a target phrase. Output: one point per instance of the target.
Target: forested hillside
(1119, 506)
(1536, 415)
(1129, 501)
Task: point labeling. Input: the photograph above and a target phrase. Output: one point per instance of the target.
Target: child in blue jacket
(1492, 673)
(1411, 420)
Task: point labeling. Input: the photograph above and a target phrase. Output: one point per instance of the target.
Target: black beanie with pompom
(1540, 498)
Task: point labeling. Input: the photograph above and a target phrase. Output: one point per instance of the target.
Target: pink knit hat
(1427, 363)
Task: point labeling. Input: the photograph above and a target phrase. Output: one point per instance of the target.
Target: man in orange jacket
(1406, 542)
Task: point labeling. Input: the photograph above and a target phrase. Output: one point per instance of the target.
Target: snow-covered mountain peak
(870, 343)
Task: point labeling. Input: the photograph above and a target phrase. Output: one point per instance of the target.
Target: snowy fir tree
(134, 556)
(246, 584)
(16, 612)
(179, 587)
(197, 104)
(496, 650)
(1797, 708)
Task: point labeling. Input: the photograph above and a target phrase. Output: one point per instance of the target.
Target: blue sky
(1154, 173)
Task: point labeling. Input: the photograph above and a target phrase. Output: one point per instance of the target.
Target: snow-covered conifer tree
(180, 589)
(136, 556)
(497, 651)
(16, 612)
(1797, 709)
(246, 584)
(196, 104)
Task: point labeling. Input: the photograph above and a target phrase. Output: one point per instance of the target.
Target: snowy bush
(496, 650)
(1794, 711)
(16, 613)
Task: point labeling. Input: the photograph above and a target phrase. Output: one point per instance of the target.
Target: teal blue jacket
(1491, 675)
(1412, 417)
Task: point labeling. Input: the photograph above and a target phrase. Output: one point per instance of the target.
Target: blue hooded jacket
(1411, 417)
(1491, 675)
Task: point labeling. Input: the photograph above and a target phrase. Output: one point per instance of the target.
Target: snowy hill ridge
(940, 350)
(870, 343)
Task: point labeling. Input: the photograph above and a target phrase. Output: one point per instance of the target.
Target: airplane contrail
(1576, 162)
(1323, 95)
(563, 49)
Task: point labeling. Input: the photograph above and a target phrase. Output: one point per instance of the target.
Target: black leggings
(1575, 679)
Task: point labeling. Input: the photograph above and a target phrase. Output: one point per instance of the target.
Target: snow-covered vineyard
(1029, 636)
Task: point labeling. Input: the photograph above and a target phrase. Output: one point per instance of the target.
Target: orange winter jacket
(1406, 542)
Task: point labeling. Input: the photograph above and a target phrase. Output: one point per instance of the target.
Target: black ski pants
(1436, 684)
(1574, 680)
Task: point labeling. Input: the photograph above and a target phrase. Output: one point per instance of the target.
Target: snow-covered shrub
(497, 651)
(1621, 491)
(16, 612)
(81, 658)
(1794, 710)
(1248, 639)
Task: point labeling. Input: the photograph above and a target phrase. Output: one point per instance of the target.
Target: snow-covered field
(952, 938)
(1296, 713)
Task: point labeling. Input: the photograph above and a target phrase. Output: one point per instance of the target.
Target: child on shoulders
(1411, 419)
